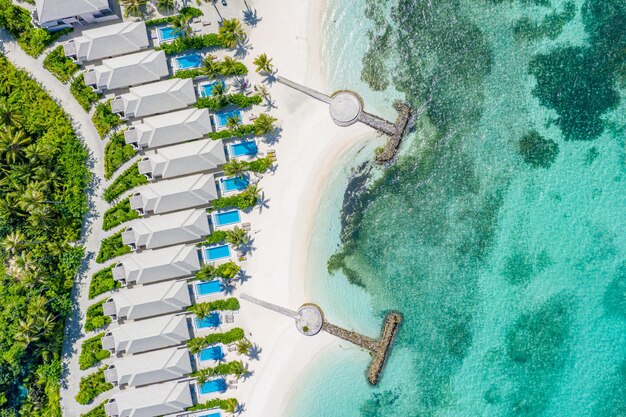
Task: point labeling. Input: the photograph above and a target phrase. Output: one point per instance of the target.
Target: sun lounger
(245, 226)
(232, 347)
(206, 22)
(256, 174)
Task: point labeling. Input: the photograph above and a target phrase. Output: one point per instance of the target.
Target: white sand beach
(309, 147)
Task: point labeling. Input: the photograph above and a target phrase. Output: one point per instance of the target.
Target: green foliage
(229, 405)
(96, 412)
(17, 20)
(237, 132)
(116, 152)
(264, 124)
(196, 344)
(236, 368)
(219, 102)
(217, 236)
(128, 179)
(238, 68)
(59, 65)
(185, 11)
(102, 281)
(112, 247)
(91, 386)
(217, 305)
(43, 183)
(84, 94)
(96, 318)
(538, 151)
(228, 270)
(119, 214)
(91, 352)
(104, 119)
(260, 164)
(186, 43)
(243, 201)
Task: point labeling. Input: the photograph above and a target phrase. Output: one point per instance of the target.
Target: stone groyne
(401, 123)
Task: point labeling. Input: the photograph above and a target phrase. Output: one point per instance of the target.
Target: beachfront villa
(107, 41)
(55, 15)
(146, 335)
(160, 97)
(127, 70)
(150, 301)
(150, 368)
(167, 229)
(153, 266)
(173, 195)
(184, 159)
(155, 400)
(169, 129)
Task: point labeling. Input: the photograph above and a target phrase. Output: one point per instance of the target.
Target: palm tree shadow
(254, 353)
(242, 48)
(270, 104)
(228, 287)
(262, 203)
(240, 409)
(273, 137)
(243, 277)
(251, 17)
(270, 78)
(247, 247)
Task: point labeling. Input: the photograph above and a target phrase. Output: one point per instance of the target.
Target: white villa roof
(170, 128)
(112, 40)
(128, 70)
(160, 97)
(184, 159)
(158, 265)
(151, 367)
(150, 334)
(149, 301)
(167, 229)
(155, 400)
(178, 194)
(49, 10)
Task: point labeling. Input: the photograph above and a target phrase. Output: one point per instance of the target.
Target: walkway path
(91, 227)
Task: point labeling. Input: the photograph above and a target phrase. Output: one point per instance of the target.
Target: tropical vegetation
(91, 352)
(93, 385)
(243, 346)
(133, 7)
(119, 214)
(96, 412)
(43, 183)
(218, 102)
(236, 368)
(116, 152)
(84, 94)
(95, 317)
(212, 67)
(204, 309)
(59, 65)
(188, 11)
(128, 179)
(102, 281)
(227, 270)
(229, 405)
(243, 201)
(231, 32)
(104, 119)
(196, 344)
(237, 168)
(263, 64)
(112, 247)
(186, 43)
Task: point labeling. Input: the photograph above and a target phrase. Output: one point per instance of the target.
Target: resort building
(150, 368)
(55, 15)
(146, 335)
(125, 71)
(161, 97)
(173, 195)
(169, 129)
(157, 265)
(108, 41)
(155, 400)
(149, 301)
(167, 229)
(187, 158)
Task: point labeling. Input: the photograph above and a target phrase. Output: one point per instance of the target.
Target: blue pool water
(209, 287)
(211, 353)
(217, 252)
(243, 148)
(212, 415)
(212, 320)
(234, 184)
(222, 118)
(168, 33)
(216, 385)
(189, 61)
(226, 218)
(207, 89)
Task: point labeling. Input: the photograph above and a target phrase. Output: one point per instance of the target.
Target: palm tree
(207, 273)
(166, 5)
(182, 25)
(235, 168)
(201, 310)
(243, 346)
(253, 192)
(203, 375)
(232, 32)
(262, 91)
(233, 121)
(26, 331)
(238, 369)
(210, 68)
(31, 199)
(263, 64)
(41, 218)
(13, 242)
(11, 143)
(264, 124)
(133, 7)
(228, 65)
(237, 237)
(37, 152)
(9, 115)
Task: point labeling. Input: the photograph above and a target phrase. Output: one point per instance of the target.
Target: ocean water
(500, 232)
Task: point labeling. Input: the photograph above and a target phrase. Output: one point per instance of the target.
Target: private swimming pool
(212, 320)
(189, 61)
(221, 119)
(216, 385)
(209, 287)
(226, 218)
(216, 252)
(234, 184)
(168, 33)
(212, 353)
(211, 415)
(207, 89)
(243, 148)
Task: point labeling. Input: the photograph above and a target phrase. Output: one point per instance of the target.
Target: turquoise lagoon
(500, 232)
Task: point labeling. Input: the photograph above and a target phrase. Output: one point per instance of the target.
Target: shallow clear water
(503, 223)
